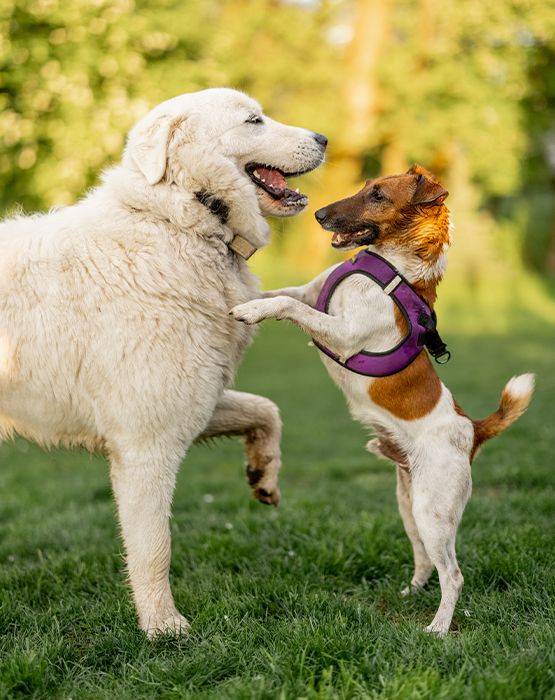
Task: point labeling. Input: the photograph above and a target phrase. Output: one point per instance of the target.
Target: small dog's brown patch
(385, 446)
(409, 394)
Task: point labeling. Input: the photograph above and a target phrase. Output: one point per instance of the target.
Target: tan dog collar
(242, 247)
(220, 209)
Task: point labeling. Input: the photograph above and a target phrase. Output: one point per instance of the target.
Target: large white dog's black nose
(321, 139)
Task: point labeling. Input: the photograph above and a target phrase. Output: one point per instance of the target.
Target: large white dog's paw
(256, 310)
(262, 475)
(438, 627)
(172, 624)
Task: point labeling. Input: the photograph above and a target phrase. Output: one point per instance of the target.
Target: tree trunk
(361, 96)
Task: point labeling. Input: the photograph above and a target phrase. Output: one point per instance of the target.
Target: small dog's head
(403, 212)
(231, 125)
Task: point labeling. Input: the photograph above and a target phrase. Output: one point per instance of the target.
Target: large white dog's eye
(254, 119)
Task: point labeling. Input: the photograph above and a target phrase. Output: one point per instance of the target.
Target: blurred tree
(73, 78)
(465, 88)
(539, 241)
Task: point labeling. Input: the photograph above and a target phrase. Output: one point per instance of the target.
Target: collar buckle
(242, 247)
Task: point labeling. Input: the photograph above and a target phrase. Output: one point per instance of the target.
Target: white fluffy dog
(114, 324)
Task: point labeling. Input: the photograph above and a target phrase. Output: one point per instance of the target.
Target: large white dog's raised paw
(174, 624)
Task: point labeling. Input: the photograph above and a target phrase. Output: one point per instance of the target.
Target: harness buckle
(439, 358)
(392, 286)
(432, 340)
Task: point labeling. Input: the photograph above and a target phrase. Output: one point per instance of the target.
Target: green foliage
(465, 88)
(75, 76)
(456, 80)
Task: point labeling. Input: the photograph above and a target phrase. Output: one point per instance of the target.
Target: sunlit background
(302, 601)
(467, 88)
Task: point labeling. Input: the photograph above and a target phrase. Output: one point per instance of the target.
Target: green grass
(300, 601)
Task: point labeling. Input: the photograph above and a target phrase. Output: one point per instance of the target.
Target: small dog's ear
(428, 190)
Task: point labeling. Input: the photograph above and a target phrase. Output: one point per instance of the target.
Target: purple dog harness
(421, 320)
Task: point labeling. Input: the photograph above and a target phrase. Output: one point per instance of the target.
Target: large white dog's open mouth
(272, 186)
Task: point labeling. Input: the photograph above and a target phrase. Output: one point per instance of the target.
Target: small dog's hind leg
(439, 495)
(384, 448)
(423, 567)
(256, 419)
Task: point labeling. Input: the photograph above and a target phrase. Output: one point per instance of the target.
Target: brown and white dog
(417, 422)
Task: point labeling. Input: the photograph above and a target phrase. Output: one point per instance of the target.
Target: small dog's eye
(254, 119)
(377, 195)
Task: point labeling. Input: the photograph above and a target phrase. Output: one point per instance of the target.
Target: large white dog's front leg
(143, 483)
(341, 335)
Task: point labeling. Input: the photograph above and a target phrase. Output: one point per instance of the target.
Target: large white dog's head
(232, 125)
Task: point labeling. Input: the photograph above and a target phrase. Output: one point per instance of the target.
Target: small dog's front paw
(251, 312)
(245, 313)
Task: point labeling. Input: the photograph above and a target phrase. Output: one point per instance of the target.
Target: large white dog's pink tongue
(271, 177)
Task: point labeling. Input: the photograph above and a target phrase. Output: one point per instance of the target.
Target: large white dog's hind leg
(256, 419)
(143, 483)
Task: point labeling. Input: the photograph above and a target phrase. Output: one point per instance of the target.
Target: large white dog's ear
(148, 146)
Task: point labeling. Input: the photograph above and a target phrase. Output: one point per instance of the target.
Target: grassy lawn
(300, 601)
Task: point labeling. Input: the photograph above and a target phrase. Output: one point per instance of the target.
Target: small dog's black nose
(321, 214)
(321, 139)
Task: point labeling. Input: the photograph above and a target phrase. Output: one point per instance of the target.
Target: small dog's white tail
(515, 398)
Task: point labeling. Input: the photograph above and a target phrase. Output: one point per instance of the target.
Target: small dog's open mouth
(353, 239)
(273, 182)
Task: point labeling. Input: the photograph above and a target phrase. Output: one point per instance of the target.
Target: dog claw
(436, 633)
(268, 498)
(437, 629)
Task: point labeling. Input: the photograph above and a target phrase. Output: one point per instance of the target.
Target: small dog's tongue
(272, 178)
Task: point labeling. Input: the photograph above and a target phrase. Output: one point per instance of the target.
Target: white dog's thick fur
(114, 324)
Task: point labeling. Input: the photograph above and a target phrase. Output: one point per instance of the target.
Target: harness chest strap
(421, 320)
